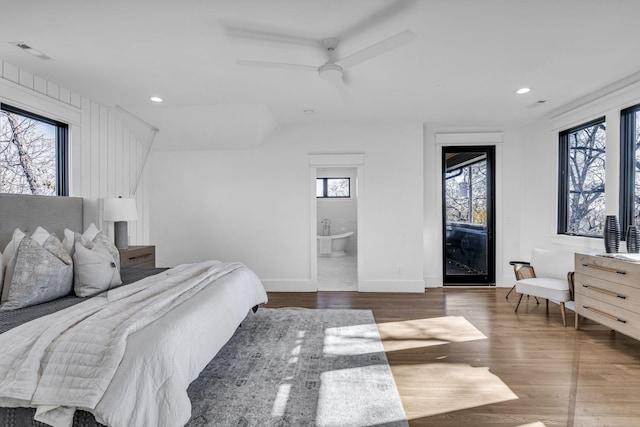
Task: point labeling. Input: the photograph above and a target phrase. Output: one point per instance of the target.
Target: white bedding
(146, 364)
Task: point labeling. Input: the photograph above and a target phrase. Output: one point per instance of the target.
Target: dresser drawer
(138, 256)
(609, 269)
(609, 315)
(617, 294)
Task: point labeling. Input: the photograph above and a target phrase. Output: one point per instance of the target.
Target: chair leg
(537, 302)
(564, 315)
(510, 290)
(521, 295)
(547, 306)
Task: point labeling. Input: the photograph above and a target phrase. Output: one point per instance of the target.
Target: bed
(124, 357)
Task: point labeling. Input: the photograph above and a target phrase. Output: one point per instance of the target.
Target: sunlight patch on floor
(418, 333)
(536, 424)
(451, 387)
(351, 340)
(378, 402)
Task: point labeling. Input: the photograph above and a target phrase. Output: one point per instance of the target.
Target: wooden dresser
(138, 256)
(607, 290)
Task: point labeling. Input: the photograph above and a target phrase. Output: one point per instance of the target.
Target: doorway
(468, 201)
(337, 229)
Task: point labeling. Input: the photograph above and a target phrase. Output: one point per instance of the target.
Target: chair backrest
(552, 263)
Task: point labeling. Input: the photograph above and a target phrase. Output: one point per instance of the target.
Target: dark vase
(611, 234)
(632, 240)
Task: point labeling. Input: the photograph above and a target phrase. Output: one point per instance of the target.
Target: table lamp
(120, 210)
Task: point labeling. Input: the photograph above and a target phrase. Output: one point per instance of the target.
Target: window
(466, 188)
(581, 209)
(333, 187)
(33, 153)
(629, 167)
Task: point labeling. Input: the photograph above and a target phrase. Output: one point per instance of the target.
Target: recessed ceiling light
(156, 99)
(522, 90)
(309, 112)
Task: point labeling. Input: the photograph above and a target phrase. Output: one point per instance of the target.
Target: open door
(468, 193)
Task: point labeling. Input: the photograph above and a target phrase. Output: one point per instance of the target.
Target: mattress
(211, 317)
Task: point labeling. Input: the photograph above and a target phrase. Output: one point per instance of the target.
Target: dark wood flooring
(528, 371)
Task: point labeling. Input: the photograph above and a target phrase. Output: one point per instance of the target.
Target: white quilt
(128, 357)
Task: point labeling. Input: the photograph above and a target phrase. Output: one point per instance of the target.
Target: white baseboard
(283, 285)
(391, 286)
(432, 281)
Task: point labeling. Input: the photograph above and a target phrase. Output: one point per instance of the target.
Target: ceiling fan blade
(343, 91)
(376, 18)
(282, 65)
(265, 34)
(376, 49)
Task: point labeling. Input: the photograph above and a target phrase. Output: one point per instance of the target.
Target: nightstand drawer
(138, 256)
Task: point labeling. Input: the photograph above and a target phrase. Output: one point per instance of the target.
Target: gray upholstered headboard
(53, 213)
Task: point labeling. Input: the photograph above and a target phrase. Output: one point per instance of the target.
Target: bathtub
(337, 243)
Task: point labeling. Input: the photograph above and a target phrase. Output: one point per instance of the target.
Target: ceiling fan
(333, 69)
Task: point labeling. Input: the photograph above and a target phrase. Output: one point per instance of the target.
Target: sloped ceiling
(462, 70)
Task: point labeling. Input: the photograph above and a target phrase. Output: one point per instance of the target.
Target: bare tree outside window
(467, 194)
(586, 201)
(27, 155)
(333, 187)
(636, 194)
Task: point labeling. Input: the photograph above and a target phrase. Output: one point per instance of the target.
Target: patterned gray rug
(299, 367)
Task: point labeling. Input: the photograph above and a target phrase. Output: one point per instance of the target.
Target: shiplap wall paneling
(84, 145)
(118, 157)
(94, 150)
(111, 156)
(104, 151)
(105, 154)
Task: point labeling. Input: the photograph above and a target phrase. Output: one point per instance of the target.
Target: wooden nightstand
(138, 256)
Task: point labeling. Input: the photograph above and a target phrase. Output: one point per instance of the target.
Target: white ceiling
(462, 70)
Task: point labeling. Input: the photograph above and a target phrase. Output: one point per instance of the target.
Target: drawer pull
(602, 313)
(604, 291)
(131, 258)
(607, 269)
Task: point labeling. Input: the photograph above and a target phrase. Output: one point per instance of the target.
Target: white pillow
(1, 273)
(7, 257)
(12, 246)
(95, 269)
(40, 235)
(37, 273)
(91, 232)
(69, 237)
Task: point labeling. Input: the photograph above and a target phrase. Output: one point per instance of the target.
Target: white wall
(508, 180)
(254, 205)
(539, 209)
(104, 155)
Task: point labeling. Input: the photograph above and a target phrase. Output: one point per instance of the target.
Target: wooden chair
(548, 275)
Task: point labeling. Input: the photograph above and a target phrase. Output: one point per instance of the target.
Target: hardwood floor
(528, 371)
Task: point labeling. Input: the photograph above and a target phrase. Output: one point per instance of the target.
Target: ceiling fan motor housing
(331, 72)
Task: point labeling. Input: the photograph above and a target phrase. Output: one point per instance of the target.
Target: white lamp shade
(120, 209)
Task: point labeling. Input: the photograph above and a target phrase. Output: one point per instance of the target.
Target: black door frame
(482, 279)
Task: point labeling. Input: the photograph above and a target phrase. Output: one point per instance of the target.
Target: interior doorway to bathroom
(336, 228)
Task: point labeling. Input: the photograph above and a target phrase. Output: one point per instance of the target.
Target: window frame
(62, 146)
(325, 187)
(627, 167)
(563, 177)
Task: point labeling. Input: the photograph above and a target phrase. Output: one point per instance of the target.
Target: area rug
(299, 367)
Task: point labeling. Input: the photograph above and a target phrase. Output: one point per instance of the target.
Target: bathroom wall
(341, 212)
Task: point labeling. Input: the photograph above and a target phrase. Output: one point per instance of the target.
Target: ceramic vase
(632, 240)
(611, 234)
